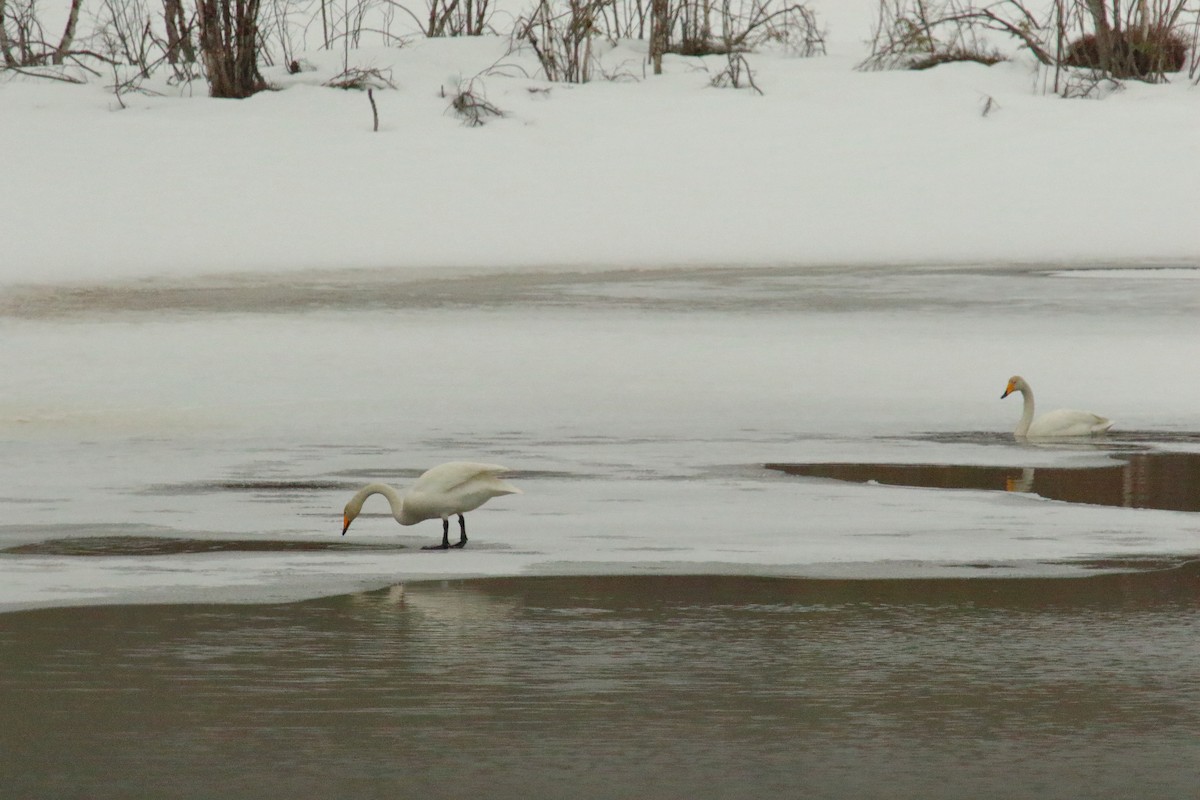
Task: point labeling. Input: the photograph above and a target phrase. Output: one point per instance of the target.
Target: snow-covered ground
(632, 292)
(830, 165)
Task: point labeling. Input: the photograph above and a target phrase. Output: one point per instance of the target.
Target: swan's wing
(453, 475)
(453, 488)
(1065, 422)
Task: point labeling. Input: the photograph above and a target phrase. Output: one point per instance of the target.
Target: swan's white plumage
(455, 487)
(1063, 422)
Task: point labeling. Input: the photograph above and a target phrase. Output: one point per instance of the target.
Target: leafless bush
(797, 29)
(1143, 39)
(181, 31)
(626, 19)
(1087, 83)
(736, 75)
(725, 26)
(126, 29)
(1099, 42)
(458, 17)
(347, 22)
(124, 82)
(562, 39)
(693, 26)
(125, 37)
(916, 34)
(980, 55)
(1147, 49)
(229, 46)
(23, 40)
(362, 79)
(278, 25)
(342, 23)
(469, 101)
(563, 33)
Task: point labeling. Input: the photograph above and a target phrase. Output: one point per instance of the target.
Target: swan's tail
(500, 487)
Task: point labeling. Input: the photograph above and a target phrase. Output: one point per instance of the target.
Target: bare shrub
(1087, 84)
(229, 45)
(362, 79)
(125, 27)
(627, 19)
(562, 40)
(277, 23)
(180, 30)
(345, 23)
(458, 18)
(797, 29)
(1143, 39)
(736, 75)
(23, 40)
(469, 102)
(956, 54)
(563, 33)
(1138, 53)
(913, 34)
(694, 22)
(728, 26)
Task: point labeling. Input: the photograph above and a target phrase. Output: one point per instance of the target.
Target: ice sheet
(636, 411)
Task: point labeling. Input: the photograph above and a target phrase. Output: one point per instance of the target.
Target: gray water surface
(1151, 479)
(664, 687)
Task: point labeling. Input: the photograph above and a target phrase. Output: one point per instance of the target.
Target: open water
(664, 687)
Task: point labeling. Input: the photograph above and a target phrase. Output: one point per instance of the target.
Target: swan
(1062, 422)
(455, 487)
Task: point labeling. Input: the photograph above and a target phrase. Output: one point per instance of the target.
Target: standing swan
(455, 487)
(1053, 423)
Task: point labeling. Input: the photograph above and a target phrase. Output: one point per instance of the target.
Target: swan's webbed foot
(445, 545)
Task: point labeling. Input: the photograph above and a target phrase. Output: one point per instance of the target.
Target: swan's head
(350, 513)
(1015, 384)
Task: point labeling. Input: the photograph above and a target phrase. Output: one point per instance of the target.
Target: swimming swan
(1053, 423)
(452, 488)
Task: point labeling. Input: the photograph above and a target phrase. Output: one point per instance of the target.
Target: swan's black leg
(462, 529)
(445, 545)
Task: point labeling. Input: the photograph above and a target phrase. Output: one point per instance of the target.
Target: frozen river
(906, 603)
(636, 409)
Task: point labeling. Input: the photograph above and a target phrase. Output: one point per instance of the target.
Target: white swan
(455, 487)
(1062, 422)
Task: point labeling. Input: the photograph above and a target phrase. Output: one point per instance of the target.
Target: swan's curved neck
(1026, 412)
(393, 497)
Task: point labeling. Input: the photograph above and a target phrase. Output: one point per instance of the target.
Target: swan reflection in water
(1152, 479)
(1020, 483)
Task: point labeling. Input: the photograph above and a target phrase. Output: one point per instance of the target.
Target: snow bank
(829, 166)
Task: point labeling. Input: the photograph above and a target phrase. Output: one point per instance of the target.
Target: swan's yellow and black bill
(1007, 390)
(345, 524)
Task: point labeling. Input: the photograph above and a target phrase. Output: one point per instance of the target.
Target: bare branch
(54, 76)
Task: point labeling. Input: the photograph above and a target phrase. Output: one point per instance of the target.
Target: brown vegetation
(1138, 53)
